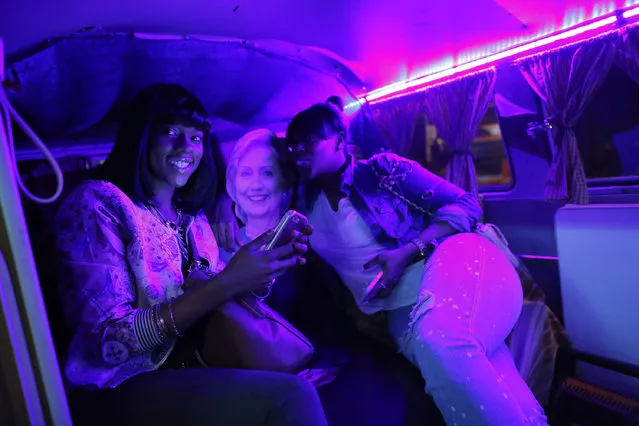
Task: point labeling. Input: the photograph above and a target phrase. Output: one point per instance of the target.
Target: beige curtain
(396, 122)
(567, 80)
(456, 110)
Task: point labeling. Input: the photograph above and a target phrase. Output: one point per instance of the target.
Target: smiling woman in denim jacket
(451, 295)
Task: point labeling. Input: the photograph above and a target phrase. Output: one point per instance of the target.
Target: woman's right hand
(253, 269)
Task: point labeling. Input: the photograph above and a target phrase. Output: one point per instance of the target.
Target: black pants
(219, 397)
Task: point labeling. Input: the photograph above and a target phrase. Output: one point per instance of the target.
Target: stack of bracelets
(151, 329)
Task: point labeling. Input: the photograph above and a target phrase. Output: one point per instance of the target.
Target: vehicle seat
(598, 379)
(40, 223)
(598, 248)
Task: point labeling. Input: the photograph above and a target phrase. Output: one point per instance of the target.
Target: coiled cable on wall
(7, 112)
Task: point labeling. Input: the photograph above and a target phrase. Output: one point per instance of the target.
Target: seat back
(598, 249)
(40, 222)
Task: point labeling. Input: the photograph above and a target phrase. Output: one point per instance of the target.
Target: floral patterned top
(118, 259)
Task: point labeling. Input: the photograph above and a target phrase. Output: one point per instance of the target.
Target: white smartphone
(283, 234)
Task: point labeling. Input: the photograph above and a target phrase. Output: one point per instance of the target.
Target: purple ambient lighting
(419, 84)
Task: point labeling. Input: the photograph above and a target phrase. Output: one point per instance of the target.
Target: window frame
(504, 187)
(615, 185)
(611, 185)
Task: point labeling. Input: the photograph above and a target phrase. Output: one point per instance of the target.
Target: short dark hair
(127, 164)
(337, 101)
(323, 119)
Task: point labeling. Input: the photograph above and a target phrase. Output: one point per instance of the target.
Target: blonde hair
(259, 137)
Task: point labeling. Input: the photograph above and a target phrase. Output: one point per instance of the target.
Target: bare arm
(195, 304)
(250, 269)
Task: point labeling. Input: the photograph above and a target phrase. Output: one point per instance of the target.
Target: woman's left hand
(393, 264)
(224, 225)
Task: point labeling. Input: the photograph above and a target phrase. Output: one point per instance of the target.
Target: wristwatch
(423, 247)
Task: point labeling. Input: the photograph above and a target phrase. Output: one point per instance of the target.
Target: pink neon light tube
(403, 88)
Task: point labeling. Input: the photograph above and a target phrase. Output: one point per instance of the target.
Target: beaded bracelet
(175, 328)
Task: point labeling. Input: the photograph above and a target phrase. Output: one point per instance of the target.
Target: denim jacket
(390, 218)
(117, 260)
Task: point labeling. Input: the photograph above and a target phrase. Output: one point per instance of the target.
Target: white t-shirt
(344, 240)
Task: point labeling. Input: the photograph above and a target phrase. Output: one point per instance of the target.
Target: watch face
(421, 246)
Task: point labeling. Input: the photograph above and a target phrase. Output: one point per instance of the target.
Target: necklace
(177, 227)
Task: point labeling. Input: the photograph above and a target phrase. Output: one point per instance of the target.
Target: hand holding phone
(393, 263)
(257, 264)
(283, 233)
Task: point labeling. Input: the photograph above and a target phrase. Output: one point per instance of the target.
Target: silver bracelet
(160, 324)
(146, 327)
(175, 328)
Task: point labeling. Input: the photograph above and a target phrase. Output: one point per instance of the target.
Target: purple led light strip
(403, 88)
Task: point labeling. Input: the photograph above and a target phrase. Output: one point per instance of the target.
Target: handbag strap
(487, 230)
(388, 183)
(196, 259)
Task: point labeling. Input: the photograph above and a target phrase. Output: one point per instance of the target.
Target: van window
(488, 150)
(608, 131)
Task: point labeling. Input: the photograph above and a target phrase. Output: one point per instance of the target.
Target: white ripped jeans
(470, 299)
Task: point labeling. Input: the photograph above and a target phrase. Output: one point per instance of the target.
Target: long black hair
(127, 164)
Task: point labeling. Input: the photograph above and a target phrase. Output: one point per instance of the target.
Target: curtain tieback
(548, 125)
(459, 153)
